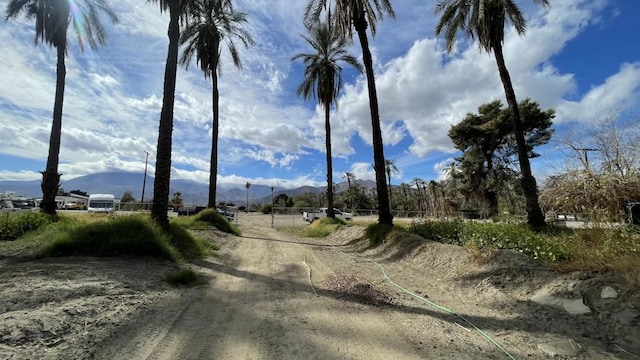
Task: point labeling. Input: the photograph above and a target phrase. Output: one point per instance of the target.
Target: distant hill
(192, 192)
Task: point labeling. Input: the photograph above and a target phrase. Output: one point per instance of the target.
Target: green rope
(422, 298)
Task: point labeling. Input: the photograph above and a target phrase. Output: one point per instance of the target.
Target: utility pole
(144, 179)
(272, 207)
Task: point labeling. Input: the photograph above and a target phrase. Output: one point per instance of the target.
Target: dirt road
(275, 296)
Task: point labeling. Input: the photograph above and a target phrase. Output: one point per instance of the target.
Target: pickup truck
(322, 212)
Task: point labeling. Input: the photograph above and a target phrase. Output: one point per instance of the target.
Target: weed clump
(12, 226)
(135, 235)
(205, 219)
(323, 227)
(376, 233)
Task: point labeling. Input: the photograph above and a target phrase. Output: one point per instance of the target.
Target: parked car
(74, 205)
(190, 210)
(312, 216)
(228, 214)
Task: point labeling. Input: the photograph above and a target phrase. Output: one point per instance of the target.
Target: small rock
(609, 293)
(560, 348)
(572, 306)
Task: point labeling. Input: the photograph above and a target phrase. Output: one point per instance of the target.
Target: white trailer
(101, 203)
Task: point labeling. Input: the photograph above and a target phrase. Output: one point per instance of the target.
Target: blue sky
(580, 57)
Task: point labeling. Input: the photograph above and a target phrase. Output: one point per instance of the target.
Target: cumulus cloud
(619, 91)
(114, 96)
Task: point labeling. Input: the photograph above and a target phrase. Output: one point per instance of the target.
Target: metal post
(272, 207)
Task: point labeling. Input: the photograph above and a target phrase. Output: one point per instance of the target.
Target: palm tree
(417, 182)
(389, 168)
(358, 15)
(323, 80)
(433, 195)
(247, 185)
(52, 19)
(485, 20)
(212, 24)
(349, 177)
(177, 14)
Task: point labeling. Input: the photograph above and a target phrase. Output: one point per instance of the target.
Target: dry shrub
(353, 289)
(599, 197)
(480, 256)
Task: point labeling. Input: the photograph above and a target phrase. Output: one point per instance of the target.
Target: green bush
(489, 236)
(189, 246)
(127, 235)
(517, 237)
(266, 209)
(376, 233)
(323, 227)
(12, 226)
(210, 217)
(447, 232)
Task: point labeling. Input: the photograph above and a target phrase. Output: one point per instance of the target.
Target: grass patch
(14, 225)
(323, 227)
(128, 235)
(188, 246)
(186, 278)
(601, 249)
(517, 237)
(204, 220)
(447, 232)
(135, 235)
(377, 233)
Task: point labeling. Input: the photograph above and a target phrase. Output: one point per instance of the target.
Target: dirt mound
(589, 307)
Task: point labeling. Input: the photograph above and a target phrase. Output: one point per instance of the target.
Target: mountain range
(193, 193)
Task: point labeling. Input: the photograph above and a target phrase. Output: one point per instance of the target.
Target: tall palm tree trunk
(213, 166)
(529, 187)
(327, 140)
(51, 177)
(384, 212)
(163, 156)
(390, 191)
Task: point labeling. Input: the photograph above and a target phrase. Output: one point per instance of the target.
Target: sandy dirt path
(262, 305)
(274, 295)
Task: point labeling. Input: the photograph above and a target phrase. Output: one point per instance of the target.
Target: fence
(292, 217)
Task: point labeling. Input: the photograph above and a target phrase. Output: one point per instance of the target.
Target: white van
(101, 203)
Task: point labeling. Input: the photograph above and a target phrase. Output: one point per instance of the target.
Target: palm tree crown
(212, 23)
(481, 19)
(349, 12)
(323, 73)
(52, 19)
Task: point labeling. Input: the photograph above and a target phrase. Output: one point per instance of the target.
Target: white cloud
(114, 96)
(619, 91)
(20, 175)
(363, 171)
(442, 168)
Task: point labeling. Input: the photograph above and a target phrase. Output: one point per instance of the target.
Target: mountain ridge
(193, 193)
